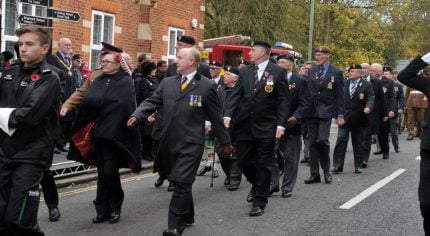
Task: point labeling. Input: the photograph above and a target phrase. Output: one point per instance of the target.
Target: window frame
(99, 46)
(176, 29)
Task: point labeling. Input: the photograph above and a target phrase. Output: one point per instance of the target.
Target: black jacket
(380, 109)
(399, 98)
(203, 69)
(36, 115)
(409, 77)
(327, 98)
(354, 107)
(110, 101)
(258, 111)
(66, 80)
(388, 87)
(298, 100)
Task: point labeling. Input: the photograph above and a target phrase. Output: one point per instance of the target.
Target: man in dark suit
(327, 101)
(376, 71)
(259, 103)
(186, 101)
(359, 102)
(378, 115)
(186, 41)
(410, 78)
(291, 143)
(399, 105)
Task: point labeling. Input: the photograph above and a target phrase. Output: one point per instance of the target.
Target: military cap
(215, 63)
(7, 55)
(233, 70)
(387, 68)
(76, 57)
(261, 44)
(110, 48)
(288, 57)
(323, 49)
(355, 66)
(186, 39)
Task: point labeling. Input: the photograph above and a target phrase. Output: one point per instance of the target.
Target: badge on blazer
(385, 90)
(195, 101)
(361, 96)
(292, 86)
(330, 85)
(8, 77)
(269, 85)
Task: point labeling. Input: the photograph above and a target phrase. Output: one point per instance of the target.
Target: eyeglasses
(107, 62)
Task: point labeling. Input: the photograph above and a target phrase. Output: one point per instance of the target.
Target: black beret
(215, 63)
(355, 66)
(323, 49)
(76, 57)
(186, 39)
(7, 55)
(261, 44)
(233, 70)
(110, 48)
(387, 68)
(288, 57)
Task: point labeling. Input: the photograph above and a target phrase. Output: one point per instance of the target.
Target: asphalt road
(312, 210)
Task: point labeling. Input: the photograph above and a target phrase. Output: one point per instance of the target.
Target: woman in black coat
(102, 119)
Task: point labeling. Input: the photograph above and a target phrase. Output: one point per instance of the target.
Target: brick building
(138, 26)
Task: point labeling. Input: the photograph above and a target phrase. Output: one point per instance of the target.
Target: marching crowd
(253, 118)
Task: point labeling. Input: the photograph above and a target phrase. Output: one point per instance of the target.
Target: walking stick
(213, 166)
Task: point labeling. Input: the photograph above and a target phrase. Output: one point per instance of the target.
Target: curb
(88, 177)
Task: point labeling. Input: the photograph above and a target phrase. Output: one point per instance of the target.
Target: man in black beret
(186, 41)
(257, 112)
(359, 102)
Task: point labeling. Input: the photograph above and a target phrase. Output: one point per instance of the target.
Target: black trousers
(358, 134)
(255, 161)
(49, 189)
(228, 165)
(19, 199)
(424, 189)
(181, 207)
(384, 131)
(161, 163)
(394, 128)
(110, 195)
(319, 134)
(367, 144)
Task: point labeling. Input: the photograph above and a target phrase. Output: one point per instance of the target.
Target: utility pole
(311, 29)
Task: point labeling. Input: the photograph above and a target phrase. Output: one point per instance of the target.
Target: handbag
(84, 142)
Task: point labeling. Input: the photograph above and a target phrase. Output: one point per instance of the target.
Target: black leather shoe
(171, 187)
(63, 149)
(250, 196)
(286, 194)
(377, 153)
(54, 214)
(313, 179)
(226, 182)
(171, 232)
(256, 211)
(56, 151)
(364, 165)
(233, 187)
(274, 190)
(328, 179)
(337, 170)
(114, 218)
(385, 156)
(159, 182)
(397, 149)
(189, 222)
(100, 219)
(304, 161)
(203, 170)
(358, 171)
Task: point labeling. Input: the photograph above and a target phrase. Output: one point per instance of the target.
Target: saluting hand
(132, 122)
(227, 149)
(367, 111)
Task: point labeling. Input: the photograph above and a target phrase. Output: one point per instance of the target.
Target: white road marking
(418, 158)
(371, 190)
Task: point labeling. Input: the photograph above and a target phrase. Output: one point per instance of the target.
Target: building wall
(140, 25)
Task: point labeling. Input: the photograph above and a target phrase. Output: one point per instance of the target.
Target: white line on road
(371, 190)
(418, 158)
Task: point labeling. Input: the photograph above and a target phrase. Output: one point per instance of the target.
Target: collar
(190, 76)
(325, 66)
(217, 79)
(62, 54)
(263, 65)
(41, 67)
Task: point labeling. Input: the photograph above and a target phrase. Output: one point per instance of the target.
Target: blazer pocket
(196, 140)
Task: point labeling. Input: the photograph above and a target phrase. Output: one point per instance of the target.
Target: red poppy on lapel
(34, 77)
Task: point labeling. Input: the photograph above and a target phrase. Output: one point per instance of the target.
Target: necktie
(256, 76)
(321, 73)
(67, 60)
(354, 87)
(184, 83)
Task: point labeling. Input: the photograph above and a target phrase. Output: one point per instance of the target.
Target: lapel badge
(8, 77)
(191, 104)
(23, 84)
(293, 86)
(199, 101)
(332, 78)
(269, 85)
(385, 90)
(330, 85)
(361, 96)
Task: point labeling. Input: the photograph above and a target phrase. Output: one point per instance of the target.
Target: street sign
(23, 19)
(63, 15)
(37, 2)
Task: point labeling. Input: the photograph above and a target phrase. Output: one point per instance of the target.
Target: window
(11, 9)
(102, 31)
(173, 34)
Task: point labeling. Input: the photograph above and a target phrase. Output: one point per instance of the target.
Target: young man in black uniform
(29, 104)
(359, 102)
(410, 78)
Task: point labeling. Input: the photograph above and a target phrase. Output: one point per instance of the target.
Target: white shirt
(261, 68)
(367, 78)
(190, 76)
(216, 80)
(289, 74)
(352, 84)
(426, 58)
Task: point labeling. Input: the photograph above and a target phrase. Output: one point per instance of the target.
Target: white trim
(172, 57)
(99, 46)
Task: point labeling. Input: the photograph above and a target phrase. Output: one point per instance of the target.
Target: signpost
(63, 15)
(37, 2)
(24, 19)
